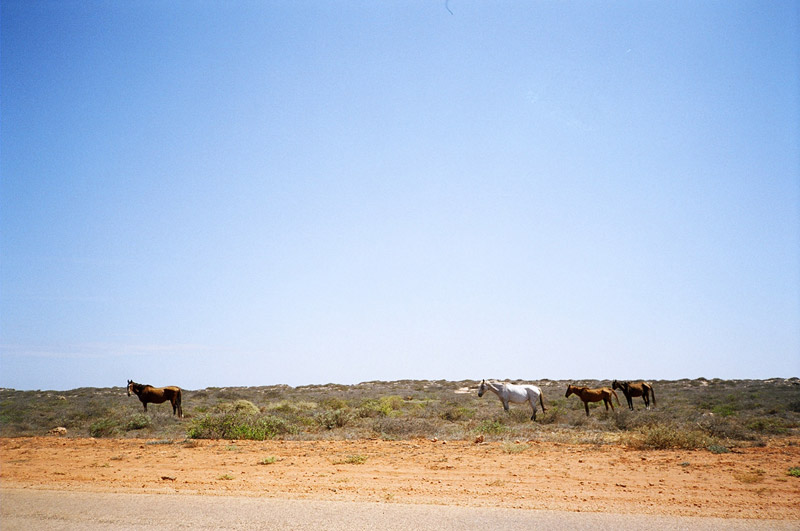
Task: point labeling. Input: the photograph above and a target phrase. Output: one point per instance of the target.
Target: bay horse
(157, 395)
(518, 394)
(593, 395)
(631, 389)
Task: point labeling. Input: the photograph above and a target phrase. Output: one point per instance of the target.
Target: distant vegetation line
(714, 414)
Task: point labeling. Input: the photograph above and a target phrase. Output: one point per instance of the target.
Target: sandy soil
(746, 483)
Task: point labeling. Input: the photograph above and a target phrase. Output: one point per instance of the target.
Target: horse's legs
(586, 405)
(646, 400)
(610, 402)
(505, 405)
(606, 401)
(629, 398)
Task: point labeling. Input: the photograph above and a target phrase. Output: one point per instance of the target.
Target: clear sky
(218, 193)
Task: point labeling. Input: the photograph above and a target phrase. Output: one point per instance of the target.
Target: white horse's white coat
(518, 394)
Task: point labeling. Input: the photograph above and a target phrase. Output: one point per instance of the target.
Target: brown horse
(593, 395)
(157, 395)
(631, 389)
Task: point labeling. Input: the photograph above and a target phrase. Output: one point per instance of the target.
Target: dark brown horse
(157, 395)
(631, 389)
(593, 395)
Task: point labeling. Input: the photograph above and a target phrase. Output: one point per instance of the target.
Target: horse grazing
(518, 394)
(593, 395)
(631, 389)
(157, 395)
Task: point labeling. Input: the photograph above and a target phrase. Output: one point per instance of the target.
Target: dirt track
(746, 483)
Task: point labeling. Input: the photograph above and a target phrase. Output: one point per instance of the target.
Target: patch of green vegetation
(492, 427)
(770, 425)
(723, 410)
(138, 422)
(385, 406)
(104, 427)
(233, 423)
(355, 459)
(794, 472)
(718, 449)
(338, 418)
(666, 437)
(515, 448)
(455, 413)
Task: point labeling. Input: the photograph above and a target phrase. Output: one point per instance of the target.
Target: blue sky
(251, 193)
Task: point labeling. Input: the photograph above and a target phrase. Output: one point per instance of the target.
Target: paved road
(51, 510)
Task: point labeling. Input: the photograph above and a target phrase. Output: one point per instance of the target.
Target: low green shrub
(491, 427)
(104, 427)
(770, 425)
(239, 426)
(394, 428)
(454, 413)
(718, 449)
(138, 422)
(338, 418)
(665, 437)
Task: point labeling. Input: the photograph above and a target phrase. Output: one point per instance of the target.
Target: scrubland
(700, 413)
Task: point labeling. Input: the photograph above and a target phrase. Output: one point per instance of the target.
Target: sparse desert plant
(138, 422)
(515, 448)
(491, 427)
(334, 403)
(752, 476)
(665, 437)
(403, 428)
(385, 406)
(355, 459)
(455, 412)
(239, 407)
(770, 425)
(338, 418)
(718, 449)
(794, 472)
(268, 460)
(104, 427)
(238, 426)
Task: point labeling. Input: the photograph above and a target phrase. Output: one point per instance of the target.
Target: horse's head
(482, 388)
(615, 385)
(130, 386)
(570, 390)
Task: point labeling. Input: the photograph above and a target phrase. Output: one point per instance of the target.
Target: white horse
(518, 394)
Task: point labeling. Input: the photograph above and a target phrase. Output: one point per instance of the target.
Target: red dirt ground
(745, 483)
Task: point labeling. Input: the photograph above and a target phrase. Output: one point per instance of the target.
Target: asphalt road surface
(52, 510)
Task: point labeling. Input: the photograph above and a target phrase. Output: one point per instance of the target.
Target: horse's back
(535, 388)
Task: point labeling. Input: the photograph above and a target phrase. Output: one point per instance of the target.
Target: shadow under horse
(632, 389)
(157, 395)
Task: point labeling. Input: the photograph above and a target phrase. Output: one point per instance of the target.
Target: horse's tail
(615, 396)
(653, 395)
(541, 401)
